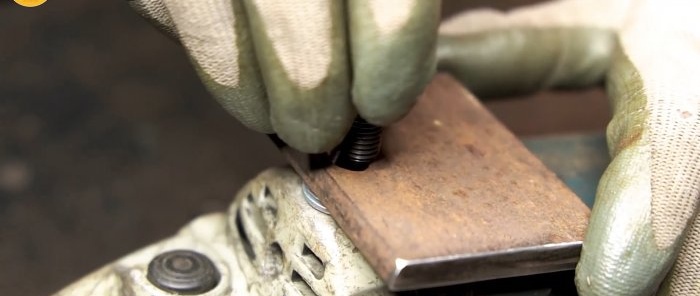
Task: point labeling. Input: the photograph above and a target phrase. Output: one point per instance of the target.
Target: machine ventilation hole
(302, 286)
(268, 205)
(245, 241)
(277, 250)
(314, 263)
(267, 193)
(250, 197)
(273, 262)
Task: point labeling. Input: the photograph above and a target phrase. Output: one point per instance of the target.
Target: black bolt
(360, 147)
(184, 272)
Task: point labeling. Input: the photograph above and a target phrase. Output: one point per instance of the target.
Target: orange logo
(30, 3)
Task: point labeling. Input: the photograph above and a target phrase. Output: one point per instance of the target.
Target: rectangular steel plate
(456, 198)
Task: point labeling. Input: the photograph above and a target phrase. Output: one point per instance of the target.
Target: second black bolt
(360, 147)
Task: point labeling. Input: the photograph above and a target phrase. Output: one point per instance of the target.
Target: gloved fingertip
(382, 106)
(247, 101)
(393, 55)
(309, 138)
(619, 255)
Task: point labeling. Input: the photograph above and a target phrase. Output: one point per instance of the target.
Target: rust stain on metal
(453, 182)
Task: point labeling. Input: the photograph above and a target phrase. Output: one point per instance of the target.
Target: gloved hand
(643, 233)
(304, 69)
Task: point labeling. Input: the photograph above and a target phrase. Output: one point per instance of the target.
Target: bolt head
(184, 272)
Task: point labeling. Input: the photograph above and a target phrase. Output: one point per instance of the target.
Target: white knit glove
(304, 69)
(643, 237)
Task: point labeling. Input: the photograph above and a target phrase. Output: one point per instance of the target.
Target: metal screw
(184, 272)
(360, 147)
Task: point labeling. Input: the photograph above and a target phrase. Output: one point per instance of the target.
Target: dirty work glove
(304, 69)
(644, 237)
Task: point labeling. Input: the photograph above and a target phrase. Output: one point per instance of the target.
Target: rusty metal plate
(456, 198)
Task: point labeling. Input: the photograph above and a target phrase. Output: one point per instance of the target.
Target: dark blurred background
(108, 142)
